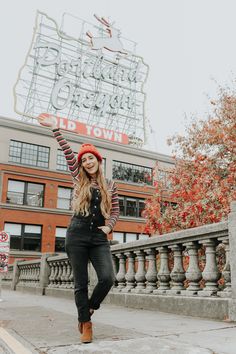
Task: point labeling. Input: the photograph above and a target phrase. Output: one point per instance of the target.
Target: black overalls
(85, 242)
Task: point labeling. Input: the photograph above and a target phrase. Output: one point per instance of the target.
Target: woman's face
(90, 163)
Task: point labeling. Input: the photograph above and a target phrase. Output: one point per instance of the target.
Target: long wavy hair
(82, 193)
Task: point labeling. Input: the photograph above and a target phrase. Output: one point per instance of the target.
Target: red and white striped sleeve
(71, 159)
(115, 209)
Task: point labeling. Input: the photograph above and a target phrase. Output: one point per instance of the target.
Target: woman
(94, 200)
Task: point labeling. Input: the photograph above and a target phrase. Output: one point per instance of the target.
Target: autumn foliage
(203, 180)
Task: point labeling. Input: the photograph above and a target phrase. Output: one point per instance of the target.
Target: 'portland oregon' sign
(91, 83)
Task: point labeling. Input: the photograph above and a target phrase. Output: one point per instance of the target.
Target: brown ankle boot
(80, 327)
(87, 333)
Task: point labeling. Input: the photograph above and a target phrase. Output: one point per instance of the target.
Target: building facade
(36, 187)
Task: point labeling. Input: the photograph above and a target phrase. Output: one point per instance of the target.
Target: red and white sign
(4, 251)
(89, 130)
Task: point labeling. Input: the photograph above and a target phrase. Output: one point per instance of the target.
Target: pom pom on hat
(85, 148)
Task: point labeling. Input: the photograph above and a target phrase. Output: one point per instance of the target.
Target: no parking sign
(4, 251)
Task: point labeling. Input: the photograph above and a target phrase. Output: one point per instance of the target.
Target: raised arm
(50, 122)
(115, 209)
(71, 159)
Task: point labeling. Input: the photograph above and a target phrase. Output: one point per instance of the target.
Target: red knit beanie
(85, 148)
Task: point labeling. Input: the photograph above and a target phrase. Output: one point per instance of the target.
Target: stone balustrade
(170, 264)
(189, 272)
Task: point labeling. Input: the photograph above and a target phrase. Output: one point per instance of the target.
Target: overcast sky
(188, 45)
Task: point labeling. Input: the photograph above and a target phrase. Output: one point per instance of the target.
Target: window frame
(71, 197)
(137, 200)
(124, 166)
(12, 157)
(25, 194)
(23, 236)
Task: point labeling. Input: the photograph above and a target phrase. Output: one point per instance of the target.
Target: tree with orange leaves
(203, 180)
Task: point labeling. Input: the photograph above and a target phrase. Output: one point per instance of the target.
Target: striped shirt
(73, 165)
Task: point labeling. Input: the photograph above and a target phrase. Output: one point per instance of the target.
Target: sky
(189, 46)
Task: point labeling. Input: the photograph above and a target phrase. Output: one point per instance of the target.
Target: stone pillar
(232, 257)
(210, 273)
(164, 272)
(44, 273)
(130, 275)
(226, 271)
(193, 273)
(140, 275)
(15, 275)
(151, 275)
(177, 274)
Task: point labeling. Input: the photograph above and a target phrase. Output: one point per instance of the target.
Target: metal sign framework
(95, 79)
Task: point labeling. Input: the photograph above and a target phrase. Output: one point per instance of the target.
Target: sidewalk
(47, 325)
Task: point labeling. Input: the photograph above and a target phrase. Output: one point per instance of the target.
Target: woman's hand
(105, 229)
(48, 120)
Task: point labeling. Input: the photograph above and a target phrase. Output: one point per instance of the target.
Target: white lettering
(108, 134)
(63, 68)
(97, 132)
(89, 99)
(60, 88)
(89, 129)
(71, 125)
(62, 123)
(51, 54)
(118, 137)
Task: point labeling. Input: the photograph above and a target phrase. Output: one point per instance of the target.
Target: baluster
(140, 275)
(177, 274)
(63, 275)
(54, 281)
(34, 274)
(38, 274)
(151, 275)
(120, 276)
(226, 272)
(193, 274)
(163, 275)
(130, 275)
(210, 273)
(59, 274)
(52, 274)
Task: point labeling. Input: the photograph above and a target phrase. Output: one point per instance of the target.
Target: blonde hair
(82, 193)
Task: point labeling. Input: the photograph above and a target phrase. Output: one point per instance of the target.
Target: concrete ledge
(30, 289)
(203, 307)
(213, 308)
(6, 285)
(57, 292)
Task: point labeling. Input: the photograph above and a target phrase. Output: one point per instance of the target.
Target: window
(118, 236)
(122, 206)
(123, 237)
(29, 154)
(131, 206)
(64, 198)
(25, 193)
(61, 161)
(60, 239)
(24, 237)
(141, 207)
(131, 173)
(130, 237)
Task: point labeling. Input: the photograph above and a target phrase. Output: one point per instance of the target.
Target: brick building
(35, 186)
